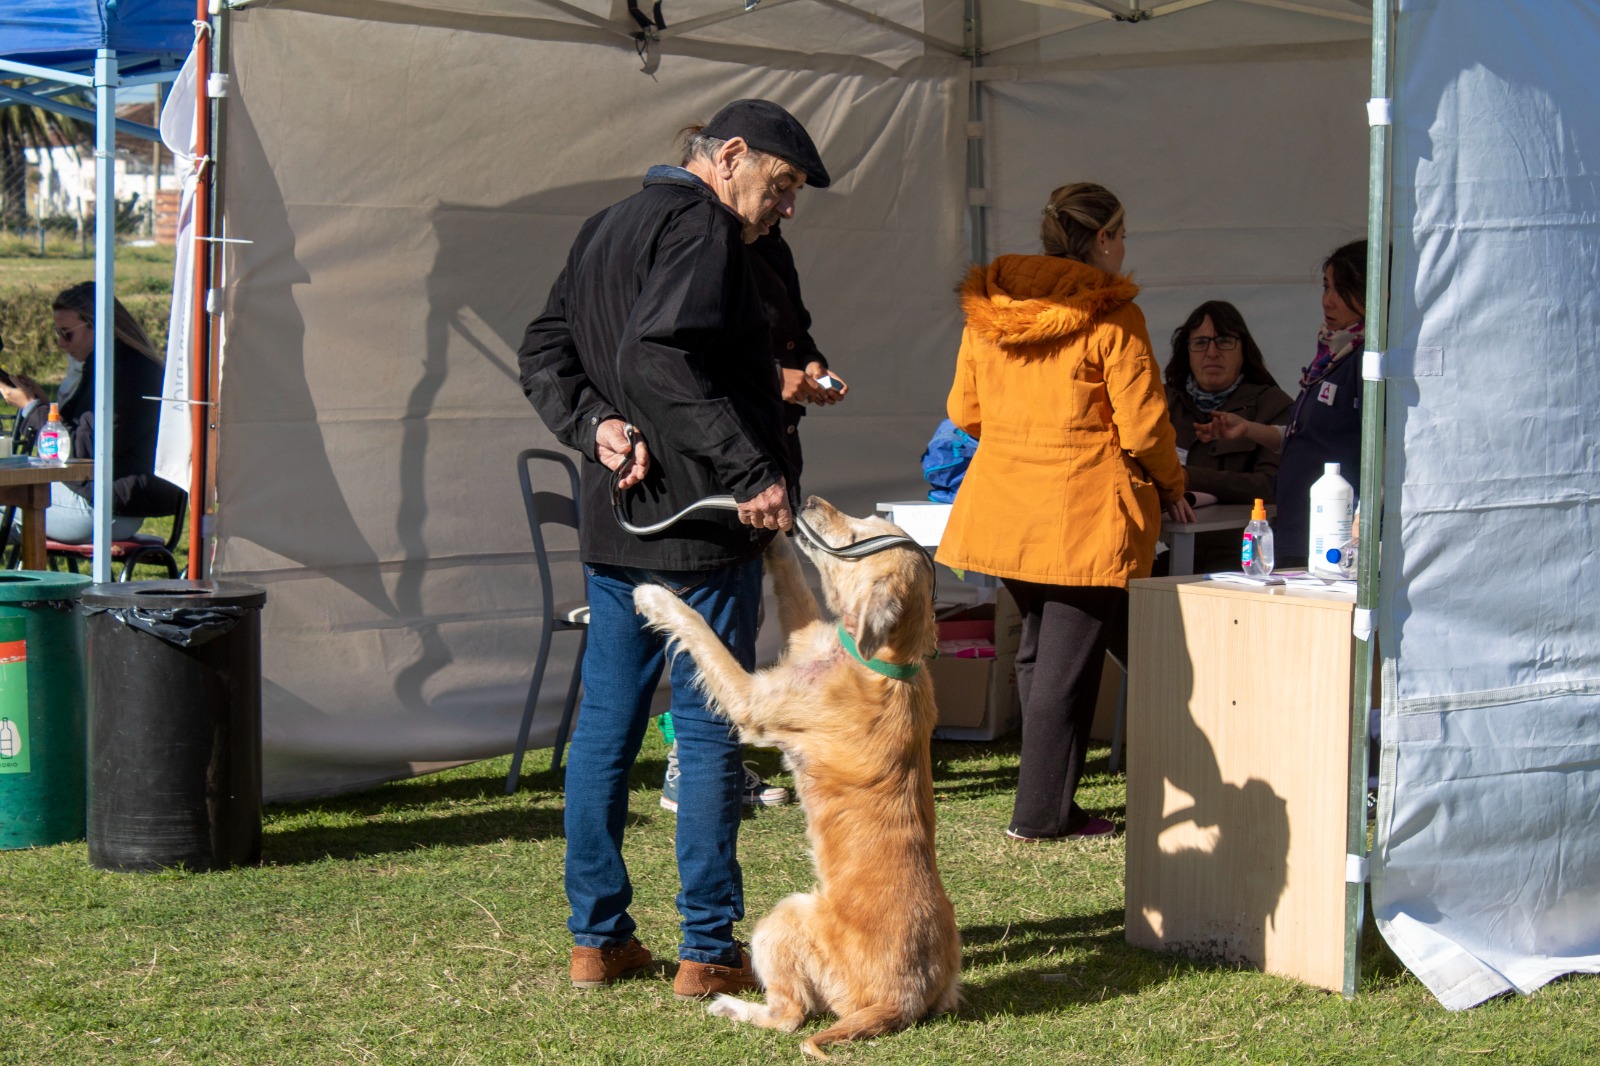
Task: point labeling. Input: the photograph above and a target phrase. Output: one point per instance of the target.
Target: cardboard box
(1105, 708)
(978, 697)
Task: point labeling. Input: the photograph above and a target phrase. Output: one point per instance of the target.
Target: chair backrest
(547, 508)
(177, 522)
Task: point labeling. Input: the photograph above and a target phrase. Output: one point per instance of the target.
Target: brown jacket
(1234, 471)
(1075, 458)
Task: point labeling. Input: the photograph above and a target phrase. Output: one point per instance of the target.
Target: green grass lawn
(424, 922)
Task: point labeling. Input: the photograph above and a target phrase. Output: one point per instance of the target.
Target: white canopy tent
(410, 175)
(403, 236)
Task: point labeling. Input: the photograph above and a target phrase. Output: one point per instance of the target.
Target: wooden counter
(1238, 748)
(28, 487)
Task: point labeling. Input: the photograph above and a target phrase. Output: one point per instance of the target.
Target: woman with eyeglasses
(1216, 367)
(137, 492)
(1324, 423)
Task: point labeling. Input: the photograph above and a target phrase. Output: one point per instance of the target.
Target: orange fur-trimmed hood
(1020, 303)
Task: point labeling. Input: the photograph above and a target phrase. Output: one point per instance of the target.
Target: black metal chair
(131, 552)
(550, 508)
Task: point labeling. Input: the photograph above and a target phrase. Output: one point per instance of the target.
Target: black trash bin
(174, 672)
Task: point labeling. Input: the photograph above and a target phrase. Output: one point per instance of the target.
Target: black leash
(858, 550)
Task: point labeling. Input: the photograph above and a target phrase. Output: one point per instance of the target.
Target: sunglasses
(65, 335)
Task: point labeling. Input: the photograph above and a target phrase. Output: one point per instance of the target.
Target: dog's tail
(863, 1024)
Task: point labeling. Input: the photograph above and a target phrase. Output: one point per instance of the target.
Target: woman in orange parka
(1063, 499)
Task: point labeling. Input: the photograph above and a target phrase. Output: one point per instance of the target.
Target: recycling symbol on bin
(10, 742)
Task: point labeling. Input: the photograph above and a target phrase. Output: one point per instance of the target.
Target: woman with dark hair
(137, 493)
(1056, 380)
(1216, 366)
(1324, 425)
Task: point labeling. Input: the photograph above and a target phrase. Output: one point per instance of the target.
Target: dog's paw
(728, 1007)
(654, 602)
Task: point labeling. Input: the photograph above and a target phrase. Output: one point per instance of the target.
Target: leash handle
(713, 503)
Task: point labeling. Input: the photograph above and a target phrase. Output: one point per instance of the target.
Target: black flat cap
(766, 127)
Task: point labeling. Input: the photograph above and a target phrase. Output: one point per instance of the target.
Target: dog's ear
(876, 614)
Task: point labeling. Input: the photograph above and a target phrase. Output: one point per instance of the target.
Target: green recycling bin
(42, 701)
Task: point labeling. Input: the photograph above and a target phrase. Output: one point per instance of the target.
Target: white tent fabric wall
(1487, 866)
(370, 410)
(404, 235)
(1238, 178)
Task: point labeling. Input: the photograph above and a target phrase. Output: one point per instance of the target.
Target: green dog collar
(898, 671)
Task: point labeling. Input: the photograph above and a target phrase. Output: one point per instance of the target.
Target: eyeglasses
(65, 335)
(1224, 344)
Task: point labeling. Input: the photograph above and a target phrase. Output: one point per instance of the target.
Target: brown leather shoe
(697, 980)
(598, 967)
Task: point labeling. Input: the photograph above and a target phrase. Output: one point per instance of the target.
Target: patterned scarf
(1210, 401)
(1332, 345)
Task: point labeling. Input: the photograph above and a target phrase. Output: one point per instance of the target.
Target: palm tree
(24, 126)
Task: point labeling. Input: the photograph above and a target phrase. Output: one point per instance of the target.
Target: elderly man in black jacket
(652, 359)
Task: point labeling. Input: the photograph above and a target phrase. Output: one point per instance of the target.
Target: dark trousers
(1065, 633)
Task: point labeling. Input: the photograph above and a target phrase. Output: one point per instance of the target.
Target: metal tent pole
(105, 243)
(977, 162)
(200, 322)
(1372, 418)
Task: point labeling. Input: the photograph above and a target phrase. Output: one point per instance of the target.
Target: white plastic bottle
(55, 443)
(1255, 550)
(1333, 504)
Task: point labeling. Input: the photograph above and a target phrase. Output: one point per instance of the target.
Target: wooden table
(1238, 774)
(28, 487)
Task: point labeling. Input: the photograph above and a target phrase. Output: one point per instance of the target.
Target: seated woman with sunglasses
(1216, 366)
(137, 492)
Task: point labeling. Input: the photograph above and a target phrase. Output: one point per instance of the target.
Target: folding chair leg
(1121, 725)
(572, 702)
(527, 711)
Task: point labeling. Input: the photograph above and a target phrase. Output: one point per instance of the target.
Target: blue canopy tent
(53, 47)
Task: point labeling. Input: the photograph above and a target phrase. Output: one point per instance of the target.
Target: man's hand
(612, 448)
(800, 386)
(1180, 511)
(769, 510)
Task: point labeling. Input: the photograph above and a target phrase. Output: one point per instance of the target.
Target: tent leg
(105, 245)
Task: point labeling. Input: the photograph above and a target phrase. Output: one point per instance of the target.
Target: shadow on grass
(1061, 961)
(453, 809)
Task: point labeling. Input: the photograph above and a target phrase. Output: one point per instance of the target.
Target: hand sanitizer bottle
(1332, 519)
(1255, 551)
(55, 443)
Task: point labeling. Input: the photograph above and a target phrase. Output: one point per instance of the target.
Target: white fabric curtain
(1486, 873)
(174, 435)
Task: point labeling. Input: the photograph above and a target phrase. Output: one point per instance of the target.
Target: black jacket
(778, 286)
(135, 491)
(655, 320)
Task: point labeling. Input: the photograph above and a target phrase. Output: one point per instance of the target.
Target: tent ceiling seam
(890, 24)
(678, 29)
(1354, 48)
(1307, 9)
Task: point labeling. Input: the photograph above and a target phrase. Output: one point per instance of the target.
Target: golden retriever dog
(875, 942)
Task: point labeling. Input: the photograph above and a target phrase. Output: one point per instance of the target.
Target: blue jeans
(621, 667)
(70, 519)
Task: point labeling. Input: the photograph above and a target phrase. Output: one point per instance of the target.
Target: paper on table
(1246, 579)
